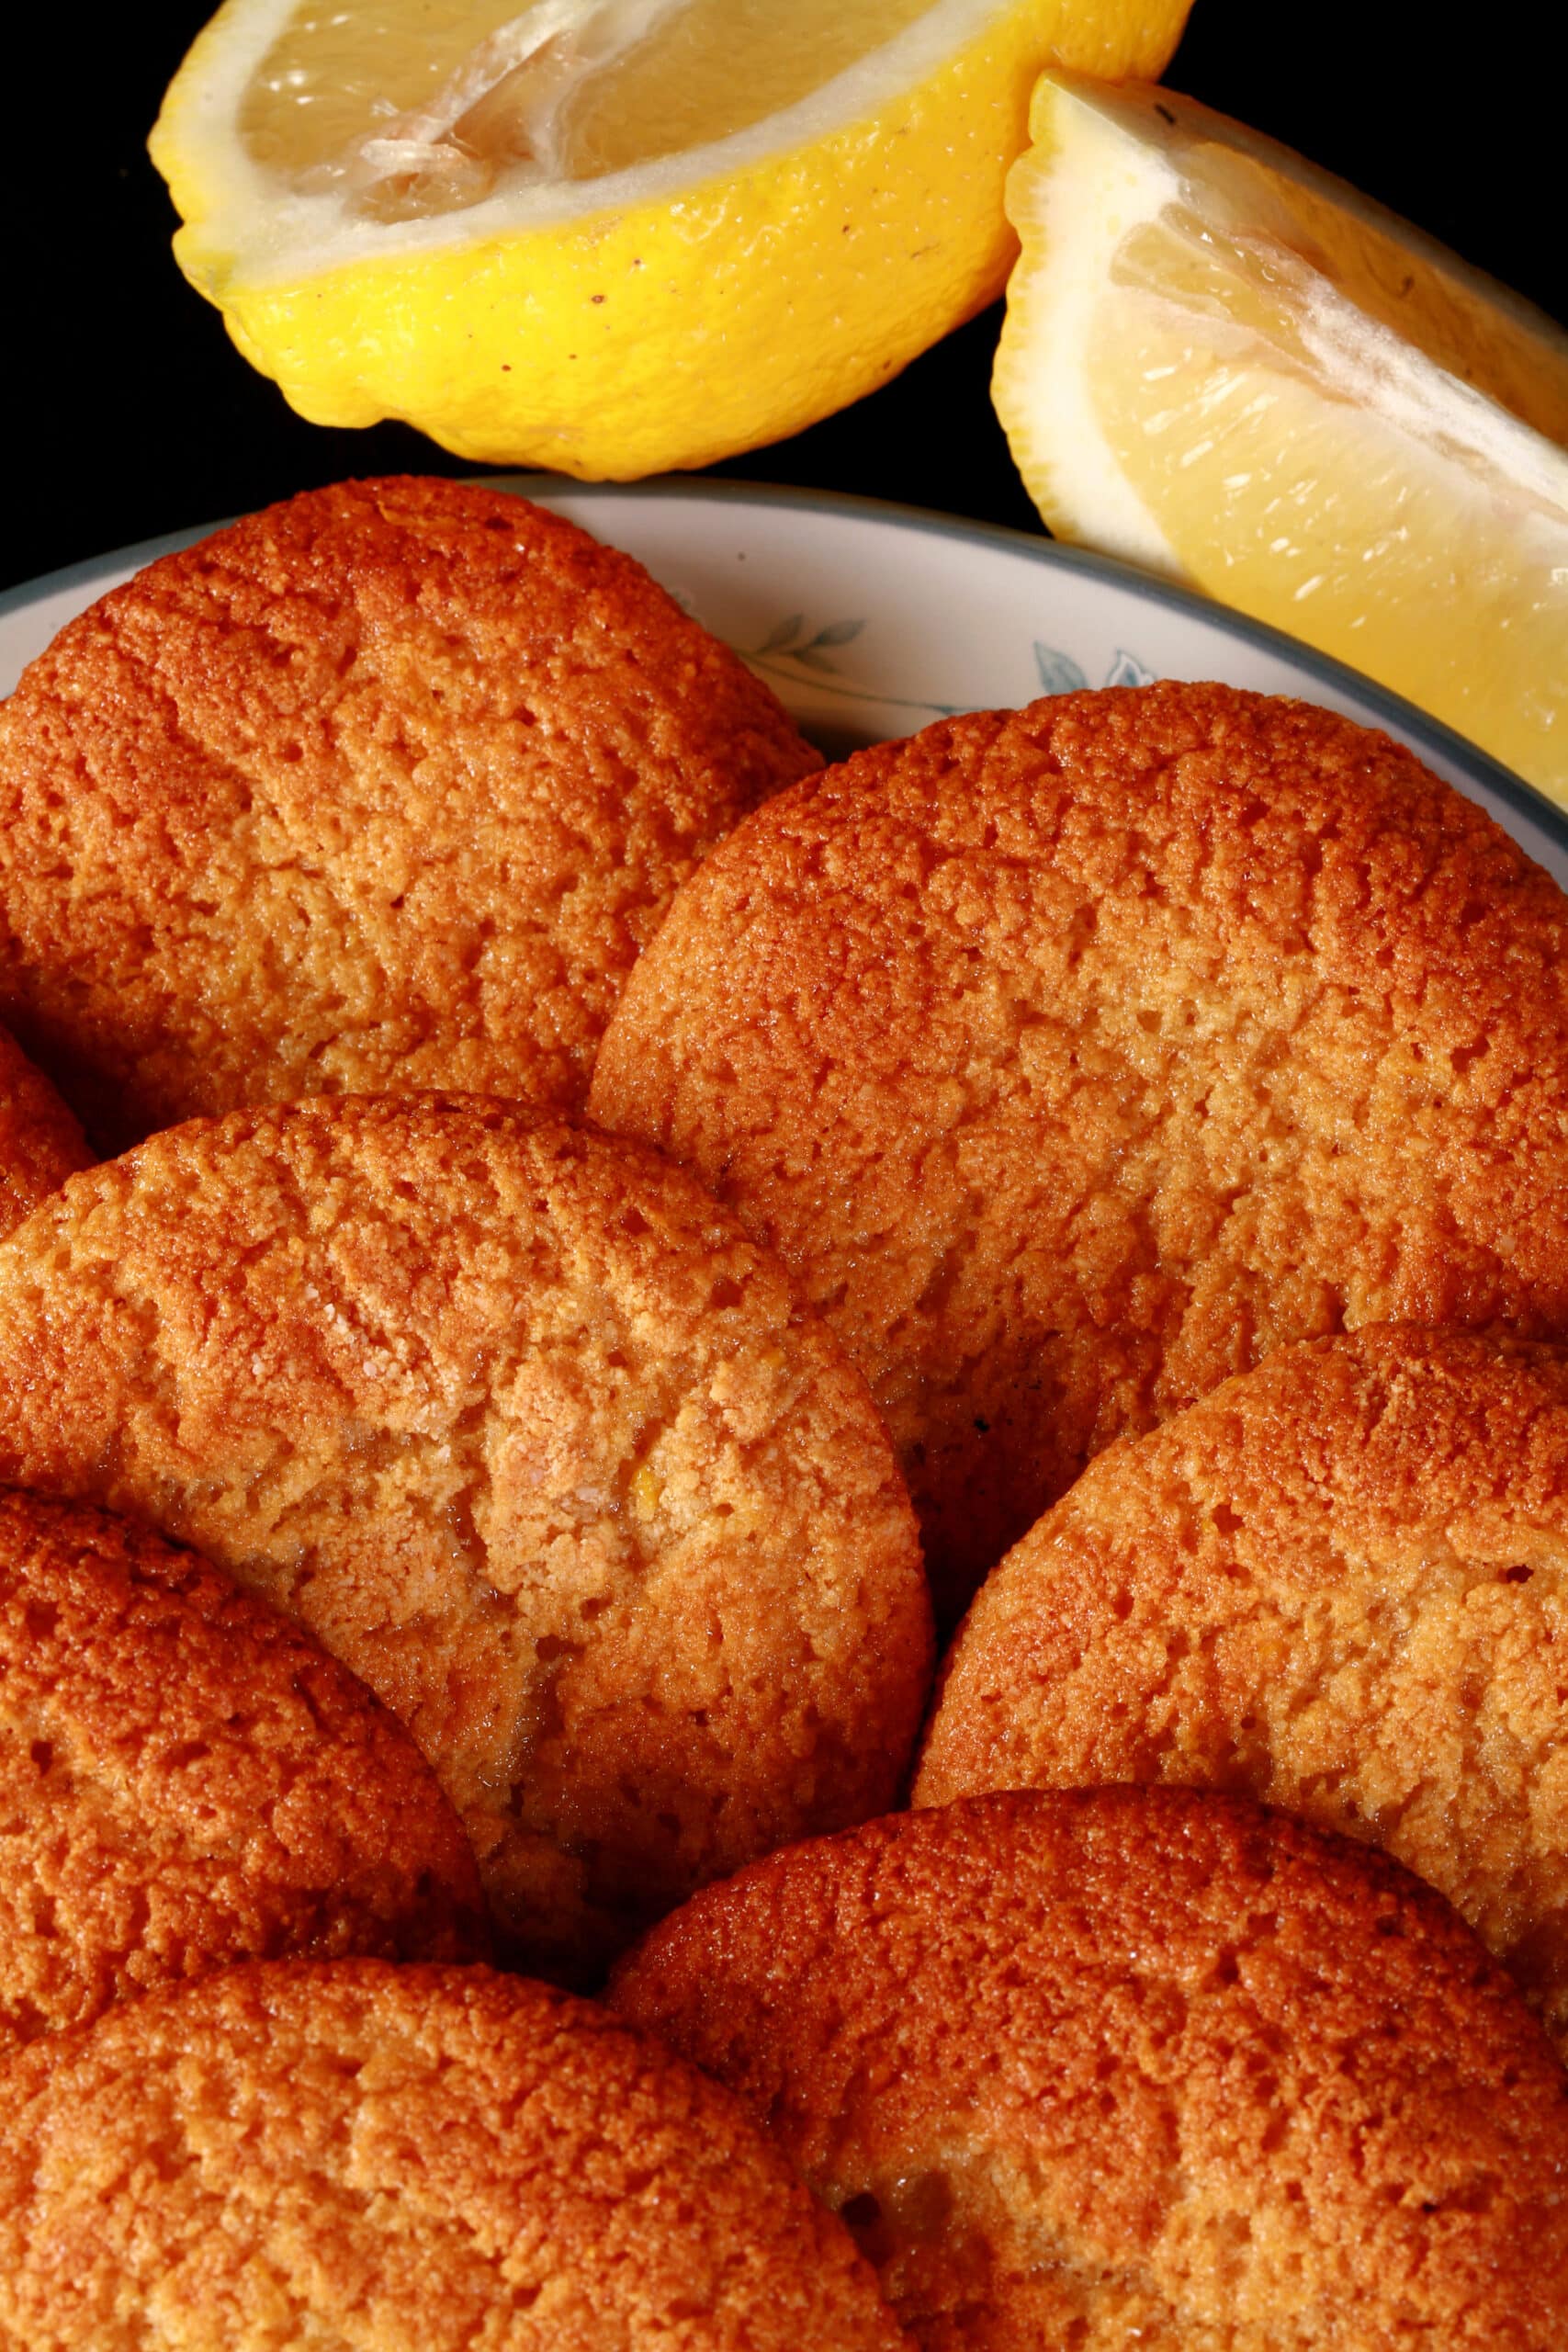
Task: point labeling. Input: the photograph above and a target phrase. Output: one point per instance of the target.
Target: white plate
(872, 620)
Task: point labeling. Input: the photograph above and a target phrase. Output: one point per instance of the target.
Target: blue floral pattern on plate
(791, 646)
(1060, 675)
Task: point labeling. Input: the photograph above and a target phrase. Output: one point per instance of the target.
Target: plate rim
(1430, 734)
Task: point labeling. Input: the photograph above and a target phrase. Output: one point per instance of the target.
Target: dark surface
(130, 413)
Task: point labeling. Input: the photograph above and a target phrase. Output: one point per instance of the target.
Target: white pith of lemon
(666, 230)
(1222, 364)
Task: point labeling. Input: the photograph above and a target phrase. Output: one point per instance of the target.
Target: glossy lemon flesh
(1223, 365)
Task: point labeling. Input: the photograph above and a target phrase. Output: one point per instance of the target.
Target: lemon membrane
(610, 235)
(581, 93)
(1225, 365)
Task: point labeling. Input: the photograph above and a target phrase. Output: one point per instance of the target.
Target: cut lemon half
(610, 236)
(1220, 363)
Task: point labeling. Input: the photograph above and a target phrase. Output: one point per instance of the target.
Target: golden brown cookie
(41, 1143)
(1137, 2070)
(1075, 1057)
(383, 787)
(1340, 1583)
(187, 1780)
(417, 2159)
(524, 1427)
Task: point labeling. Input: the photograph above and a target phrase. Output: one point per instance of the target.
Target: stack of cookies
(601, 1224)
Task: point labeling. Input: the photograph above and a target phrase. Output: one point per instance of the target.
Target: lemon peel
(742, 274)
(1223, 365)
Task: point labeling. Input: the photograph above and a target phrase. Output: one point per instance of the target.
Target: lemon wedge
(1220, 363)
(609, 236)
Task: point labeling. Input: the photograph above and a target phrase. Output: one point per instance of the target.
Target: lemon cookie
(1340, 1582)
(1137, 2068)
(41, 1143)
(188, 1780)
(422, 2159)
(1075, 1057)
(528, 1432)
(383, 787)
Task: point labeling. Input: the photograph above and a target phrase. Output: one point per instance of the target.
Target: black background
(128, 413)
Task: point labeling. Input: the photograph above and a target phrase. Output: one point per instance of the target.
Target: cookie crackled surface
(386, 785)
(1073, 1057)
(1137, 2070)
(1337, 1583)
(421, 2159)
(187, 1780)
(519, 1423)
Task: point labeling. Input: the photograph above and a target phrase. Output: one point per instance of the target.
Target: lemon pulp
(663, 79)
(1222, 364)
